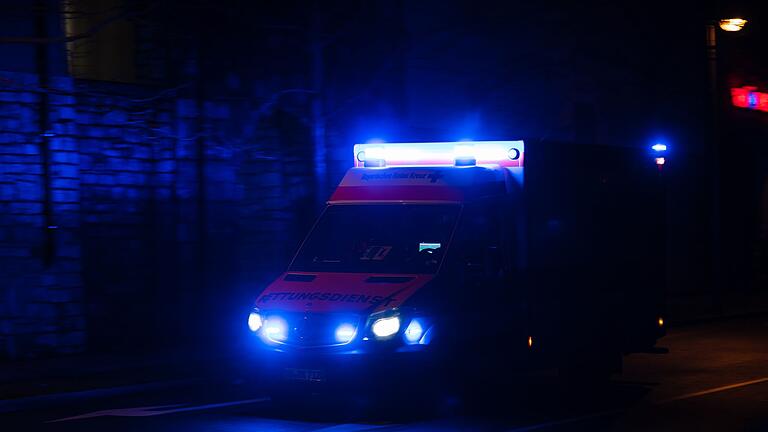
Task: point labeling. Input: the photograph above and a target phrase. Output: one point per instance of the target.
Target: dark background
(160, 161)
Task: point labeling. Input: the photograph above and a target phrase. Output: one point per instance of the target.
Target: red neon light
(747, 97)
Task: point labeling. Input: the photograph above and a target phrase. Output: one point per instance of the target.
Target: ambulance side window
(482, 240)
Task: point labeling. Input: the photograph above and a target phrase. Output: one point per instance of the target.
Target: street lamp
(732, 24)
(729, 25)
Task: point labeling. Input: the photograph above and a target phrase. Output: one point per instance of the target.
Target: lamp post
(728, 25)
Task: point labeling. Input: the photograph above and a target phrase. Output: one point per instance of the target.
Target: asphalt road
(714, 378)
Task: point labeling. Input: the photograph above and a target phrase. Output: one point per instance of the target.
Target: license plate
(304, 375)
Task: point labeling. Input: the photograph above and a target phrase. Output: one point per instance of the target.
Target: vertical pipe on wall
(201, 193)
(43, 110)
(200, 156)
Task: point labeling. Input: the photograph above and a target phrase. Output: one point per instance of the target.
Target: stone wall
(41, 299)
(134, 204)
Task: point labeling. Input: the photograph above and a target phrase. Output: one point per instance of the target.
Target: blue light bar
(659, 147)
(464, 153)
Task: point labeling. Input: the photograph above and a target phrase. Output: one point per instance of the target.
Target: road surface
(715, 377)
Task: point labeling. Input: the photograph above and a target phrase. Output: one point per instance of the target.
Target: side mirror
(486, 264)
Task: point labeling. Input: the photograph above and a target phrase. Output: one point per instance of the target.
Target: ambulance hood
(339, 292)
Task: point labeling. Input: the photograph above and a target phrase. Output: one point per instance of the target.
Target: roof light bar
(464, 153)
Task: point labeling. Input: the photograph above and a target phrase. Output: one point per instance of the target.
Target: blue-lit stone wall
(41, 303)
(159, 203)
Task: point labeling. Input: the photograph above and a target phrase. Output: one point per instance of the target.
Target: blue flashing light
(414, 331)
(752, 100)
(464, 155)
(275, 329)
(659, 147)
(345, 333)
(373, 157)
(464, 162)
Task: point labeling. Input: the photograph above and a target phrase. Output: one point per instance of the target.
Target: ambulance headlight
(386, 327)
(254, 321)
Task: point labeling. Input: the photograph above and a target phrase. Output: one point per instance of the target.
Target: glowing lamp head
(658, 147)
(732, 24)
(345, 333)
(386, 327)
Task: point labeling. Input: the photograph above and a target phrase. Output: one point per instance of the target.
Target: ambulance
(453, 259)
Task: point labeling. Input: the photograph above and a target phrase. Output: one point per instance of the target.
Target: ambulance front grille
(317, 329)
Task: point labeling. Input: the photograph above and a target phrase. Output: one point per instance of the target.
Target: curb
(11, 405)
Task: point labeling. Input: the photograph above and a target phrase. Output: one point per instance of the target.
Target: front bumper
(319, 370)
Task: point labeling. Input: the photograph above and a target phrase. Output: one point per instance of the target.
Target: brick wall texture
(133, 204)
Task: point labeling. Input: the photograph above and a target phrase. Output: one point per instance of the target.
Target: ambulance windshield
(378, 238)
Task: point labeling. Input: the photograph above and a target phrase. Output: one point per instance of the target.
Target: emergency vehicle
(453, 257)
